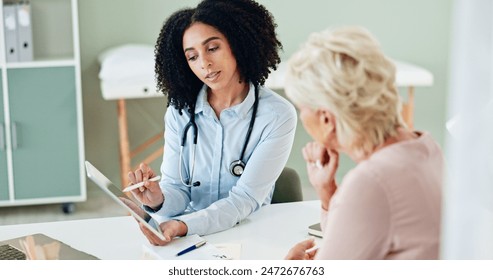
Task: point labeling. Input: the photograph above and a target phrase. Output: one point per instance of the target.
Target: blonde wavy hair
(345, 71)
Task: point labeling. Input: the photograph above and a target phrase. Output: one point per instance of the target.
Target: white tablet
(115, 193)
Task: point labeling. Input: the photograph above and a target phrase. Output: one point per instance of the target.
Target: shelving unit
(41, 124)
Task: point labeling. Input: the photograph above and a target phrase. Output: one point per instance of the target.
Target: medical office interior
(445, 48)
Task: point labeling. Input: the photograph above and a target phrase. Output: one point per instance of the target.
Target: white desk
(266, 234)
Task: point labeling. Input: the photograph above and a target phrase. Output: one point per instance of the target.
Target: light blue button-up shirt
(222, 200)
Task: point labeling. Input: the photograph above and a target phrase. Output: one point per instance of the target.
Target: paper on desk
(232, 250)
(169, 251)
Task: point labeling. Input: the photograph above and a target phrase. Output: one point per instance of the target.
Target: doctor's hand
(170, 230)
(150, 194)
(321, 165)
(299, 251)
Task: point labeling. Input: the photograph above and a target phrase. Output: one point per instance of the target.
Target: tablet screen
(115, 193)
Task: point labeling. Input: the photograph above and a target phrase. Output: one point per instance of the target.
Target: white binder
(24, 31)
(10, 28)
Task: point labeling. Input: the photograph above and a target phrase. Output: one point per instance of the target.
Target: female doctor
(227, 137)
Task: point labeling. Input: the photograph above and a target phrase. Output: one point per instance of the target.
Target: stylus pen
(191, 248)
(138, 185)
(314, 248)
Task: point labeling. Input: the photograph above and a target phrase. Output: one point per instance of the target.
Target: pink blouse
(388, 206)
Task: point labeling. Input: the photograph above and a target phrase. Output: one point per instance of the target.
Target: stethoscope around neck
(236, 167)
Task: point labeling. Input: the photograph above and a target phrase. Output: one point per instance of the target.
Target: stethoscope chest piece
(236, 168)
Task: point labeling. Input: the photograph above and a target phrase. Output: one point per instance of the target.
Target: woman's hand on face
(170, 230)
(150, 194)
(321, 166)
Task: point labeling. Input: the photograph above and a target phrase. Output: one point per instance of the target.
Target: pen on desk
(138, 185)
(191, 248)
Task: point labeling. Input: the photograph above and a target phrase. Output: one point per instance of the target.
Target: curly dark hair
(250, 30)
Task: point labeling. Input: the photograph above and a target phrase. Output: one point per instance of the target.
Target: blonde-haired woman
(388, 206)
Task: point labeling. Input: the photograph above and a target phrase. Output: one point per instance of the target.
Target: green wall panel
(414, 31)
